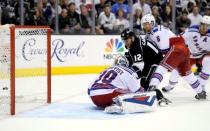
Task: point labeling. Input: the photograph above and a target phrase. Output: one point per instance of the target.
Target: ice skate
(201, 95)
(167, 88)
(164, 102)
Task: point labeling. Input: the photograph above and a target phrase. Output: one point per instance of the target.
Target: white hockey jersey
(197, 44)
(160, 35)
(115, 78)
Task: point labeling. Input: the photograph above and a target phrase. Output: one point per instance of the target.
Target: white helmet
(205, 20)
(148, 18)
(121, 60)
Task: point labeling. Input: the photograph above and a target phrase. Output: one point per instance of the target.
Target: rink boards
(72, 54)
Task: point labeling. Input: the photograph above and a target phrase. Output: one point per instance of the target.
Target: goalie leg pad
(137, 102)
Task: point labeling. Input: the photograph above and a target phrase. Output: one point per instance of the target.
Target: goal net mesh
(30, 68)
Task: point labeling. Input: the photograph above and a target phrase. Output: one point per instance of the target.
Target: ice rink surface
(72, 110)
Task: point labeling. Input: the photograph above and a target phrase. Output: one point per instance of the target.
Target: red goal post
(33, 35)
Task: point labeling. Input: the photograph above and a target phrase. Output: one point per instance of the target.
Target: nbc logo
(113, 47)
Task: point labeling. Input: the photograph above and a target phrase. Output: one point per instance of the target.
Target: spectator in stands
(64, 4)
(26, 11)
(111, 2)
(167, 16)
(99, 30)
(74, 25)
(120, 5)
(182, 4)
(41, 5)
(157, 4)
(8, 15)
(165, 2)
(99, 7)
(48, 13)
(121, 22)
(85, 20)
(156, 14)
(195, 17)
(0, 14)
(53, 7)
(203, 4)
(144, 6)
(64, 21)
(190, 6)
(107, 20)
(36, 18)
(137, 21)
(3, 3)
(77, 4)
(207, 10)
(182, 22)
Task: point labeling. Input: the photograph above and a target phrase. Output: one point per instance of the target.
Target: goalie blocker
(133, 103)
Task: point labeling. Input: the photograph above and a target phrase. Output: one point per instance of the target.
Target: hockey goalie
(117, 89)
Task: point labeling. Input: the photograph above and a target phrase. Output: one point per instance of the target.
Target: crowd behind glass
(109, 16)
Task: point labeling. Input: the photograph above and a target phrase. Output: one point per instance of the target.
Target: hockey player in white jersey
(197, 38)
(117, 89)
(177, 55)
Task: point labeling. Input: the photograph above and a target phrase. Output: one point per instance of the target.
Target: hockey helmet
(148, 18)
(205, 20)
(121, 60)
(127, 33)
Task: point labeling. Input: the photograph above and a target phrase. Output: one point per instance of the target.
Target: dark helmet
(127, 33)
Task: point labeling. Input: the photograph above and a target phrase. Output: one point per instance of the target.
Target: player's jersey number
(107, 76)
(137, 58)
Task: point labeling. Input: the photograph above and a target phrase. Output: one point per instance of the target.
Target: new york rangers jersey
(160, 35)
(198, 44)
(115, 78)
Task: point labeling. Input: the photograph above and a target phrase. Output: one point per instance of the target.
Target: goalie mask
(121, 60)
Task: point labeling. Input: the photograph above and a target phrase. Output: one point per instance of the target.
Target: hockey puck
(5, 88)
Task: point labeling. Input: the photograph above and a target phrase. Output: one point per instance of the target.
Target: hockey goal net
(25, 68)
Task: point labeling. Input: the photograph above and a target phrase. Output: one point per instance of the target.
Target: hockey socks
(194, 82)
